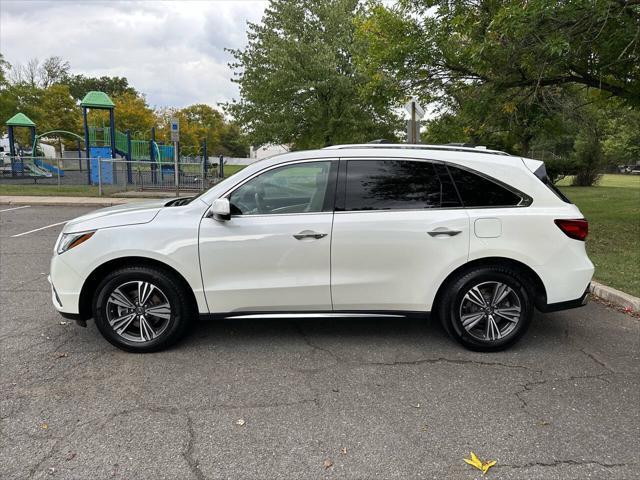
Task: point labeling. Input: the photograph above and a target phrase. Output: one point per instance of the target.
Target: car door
(274, 252)
(398, 229)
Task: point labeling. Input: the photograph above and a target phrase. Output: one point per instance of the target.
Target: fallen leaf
(474, 461)
(343, 450)
(44, 426)
(240, 422)
(327, 463)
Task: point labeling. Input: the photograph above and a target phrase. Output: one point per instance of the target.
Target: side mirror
(221, 209)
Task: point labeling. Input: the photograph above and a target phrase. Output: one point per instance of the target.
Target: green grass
(613, 211)
(50, 190)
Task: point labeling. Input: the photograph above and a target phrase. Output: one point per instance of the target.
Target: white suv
(477, 237)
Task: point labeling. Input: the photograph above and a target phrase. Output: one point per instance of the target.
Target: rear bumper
(578, 302)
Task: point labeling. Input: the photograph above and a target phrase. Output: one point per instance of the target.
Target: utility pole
(413, 127)
(175, 138)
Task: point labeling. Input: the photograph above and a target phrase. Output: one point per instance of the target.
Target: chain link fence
(106, 176)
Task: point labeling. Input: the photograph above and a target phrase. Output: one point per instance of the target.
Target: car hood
(116, 216)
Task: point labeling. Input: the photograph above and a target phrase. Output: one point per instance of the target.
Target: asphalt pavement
(297, 399)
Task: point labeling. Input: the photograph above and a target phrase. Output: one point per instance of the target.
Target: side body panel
(254, 263)
(386, 260)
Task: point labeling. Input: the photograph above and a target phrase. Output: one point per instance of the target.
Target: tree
(199, 122)
(436, 45)
(80, 85)
(299, 83)
(60, 112)
(133, 113)
(53, 70)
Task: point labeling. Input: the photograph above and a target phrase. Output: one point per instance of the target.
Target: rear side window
(477, 191)
(398, 185)
(541, 173)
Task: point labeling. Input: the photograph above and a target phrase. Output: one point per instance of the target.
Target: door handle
(308, 234)
(444, 231)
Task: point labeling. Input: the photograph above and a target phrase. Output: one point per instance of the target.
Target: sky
(172, 51)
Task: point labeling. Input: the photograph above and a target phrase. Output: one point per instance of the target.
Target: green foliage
(199, 122)
(299, 82)
(79, 85)
(548, 78)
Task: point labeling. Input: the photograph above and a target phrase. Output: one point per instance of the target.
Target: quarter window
(477, 191)
(298, 188)
(398, 185)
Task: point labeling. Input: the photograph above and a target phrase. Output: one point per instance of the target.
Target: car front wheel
(141, 309)
(487, 309)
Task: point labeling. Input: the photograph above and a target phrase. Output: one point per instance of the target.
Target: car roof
(409, 146)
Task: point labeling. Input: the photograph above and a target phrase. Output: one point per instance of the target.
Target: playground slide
(50, 168)
(36, 171)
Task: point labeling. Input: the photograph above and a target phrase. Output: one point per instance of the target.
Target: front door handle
(309, 234)
(444, 231)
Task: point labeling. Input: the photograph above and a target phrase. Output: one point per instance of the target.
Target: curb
(615, 297)
(66, 201)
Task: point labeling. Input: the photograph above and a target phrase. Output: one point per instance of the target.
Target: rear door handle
(309, 234)
(444, 231)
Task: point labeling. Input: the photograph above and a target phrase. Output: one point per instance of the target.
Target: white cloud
(171, 51)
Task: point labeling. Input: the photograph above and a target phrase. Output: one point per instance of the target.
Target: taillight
(577, 229)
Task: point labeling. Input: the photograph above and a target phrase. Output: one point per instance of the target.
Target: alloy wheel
(138, 311)
(490, 311)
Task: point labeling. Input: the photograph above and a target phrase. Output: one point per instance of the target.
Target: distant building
(268, 150)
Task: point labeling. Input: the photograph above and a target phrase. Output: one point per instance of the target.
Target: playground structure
(100, 143)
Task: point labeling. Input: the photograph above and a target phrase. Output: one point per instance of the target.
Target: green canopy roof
(97, 100)
(20, 120)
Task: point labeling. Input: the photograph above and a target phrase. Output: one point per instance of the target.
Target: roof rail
(449, 148)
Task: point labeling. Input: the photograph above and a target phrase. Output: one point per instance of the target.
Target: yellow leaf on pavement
(474, 461)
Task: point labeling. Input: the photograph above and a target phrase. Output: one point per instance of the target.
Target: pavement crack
(312, 345)
(559, 463)
(597, 360)
(530, 385)
(188, 453)
(422, 361)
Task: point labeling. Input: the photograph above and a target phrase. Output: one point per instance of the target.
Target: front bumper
(578, 302)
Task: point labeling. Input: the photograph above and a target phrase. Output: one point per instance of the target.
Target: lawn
(613, 211)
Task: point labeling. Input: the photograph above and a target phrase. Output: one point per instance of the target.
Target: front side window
(298, 188)
(477, 191)
(397, 185)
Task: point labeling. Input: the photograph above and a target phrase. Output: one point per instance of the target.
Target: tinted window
(397, 184)
(477, 191)
(541, 173)
(298, 188)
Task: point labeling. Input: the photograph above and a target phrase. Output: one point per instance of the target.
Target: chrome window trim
(227, 194)
(525, 200)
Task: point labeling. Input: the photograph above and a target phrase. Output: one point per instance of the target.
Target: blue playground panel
(49, 167)
(106, 172)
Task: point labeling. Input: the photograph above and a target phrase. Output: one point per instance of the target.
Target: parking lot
(301, 398)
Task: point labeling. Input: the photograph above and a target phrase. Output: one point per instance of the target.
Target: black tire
(451, 308)
(166, 286)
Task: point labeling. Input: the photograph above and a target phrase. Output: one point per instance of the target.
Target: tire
(477, 324)
(162, 319)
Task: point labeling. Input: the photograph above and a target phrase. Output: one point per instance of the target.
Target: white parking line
(14, 208)
(38, 229)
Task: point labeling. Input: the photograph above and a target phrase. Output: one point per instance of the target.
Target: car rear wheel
(487, 309)
(142, 309)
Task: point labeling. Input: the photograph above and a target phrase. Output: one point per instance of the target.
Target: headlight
(70, 240)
